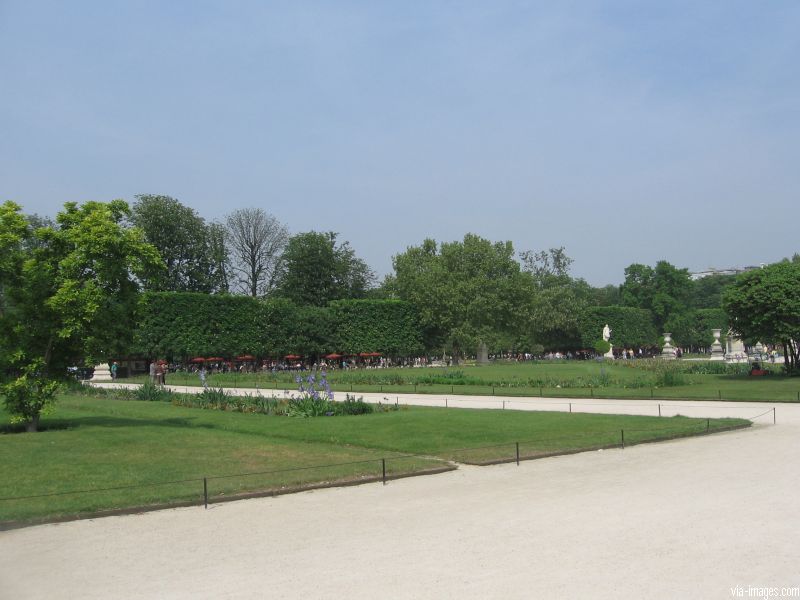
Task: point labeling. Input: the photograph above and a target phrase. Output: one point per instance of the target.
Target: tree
(256, 241)
(558, 300)
(764, 305)
(707, 291)
(315, 269)
(665, 290)
(67, 297)
(466, 293)
(191, 250)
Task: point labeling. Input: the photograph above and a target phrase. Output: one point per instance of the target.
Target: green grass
(575, 379)
(93, 443)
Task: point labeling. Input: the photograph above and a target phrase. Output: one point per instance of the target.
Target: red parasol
(215, 359)
(197, 360)
(292, 356)
(375, 354)
(333, 356)
(246, 357)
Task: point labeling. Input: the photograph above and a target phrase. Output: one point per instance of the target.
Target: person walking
(114, 368)
(203, 377)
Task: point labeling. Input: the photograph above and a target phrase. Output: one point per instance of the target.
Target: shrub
(149, 392)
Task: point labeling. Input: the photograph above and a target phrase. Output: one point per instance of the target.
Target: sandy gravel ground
(681, 519)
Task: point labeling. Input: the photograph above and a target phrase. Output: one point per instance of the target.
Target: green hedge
(181, 325)
(630, 327)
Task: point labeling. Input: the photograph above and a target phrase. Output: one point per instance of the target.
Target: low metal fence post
(773, 415)
(659, 410)
(517, 453)
(205, 491)
(622, 437)
(383, 466)
(570, 407)
(708, 425)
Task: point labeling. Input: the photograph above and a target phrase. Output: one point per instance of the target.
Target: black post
(622, 436)
(205, 491)
(445, 402)
(517, 453)
(659, 410)
(383, 464)
(570, 407)
(504, 404)
(773, 415)
(708, 425)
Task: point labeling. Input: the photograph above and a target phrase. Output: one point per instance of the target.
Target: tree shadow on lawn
(63, 424)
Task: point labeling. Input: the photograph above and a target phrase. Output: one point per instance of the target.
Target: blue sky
(624, 131)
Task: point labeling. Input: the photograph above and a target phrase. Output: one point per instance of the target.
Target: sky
(627, 132)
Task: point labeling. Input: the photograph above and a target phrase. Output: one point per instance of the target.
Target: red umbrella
(197, 360)
(215, 359)
(375, 354)
(292, 356)
(365, 354)
(246, 357)
(333, 356)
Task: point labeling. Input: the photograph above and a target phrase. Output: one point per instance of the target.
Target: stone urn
(717, 353)
(668, 352)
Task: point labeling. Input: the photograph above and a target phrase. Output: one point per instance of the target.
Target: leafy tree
(315, 270)
(68, 296)
(466, 293)
(764, 305)
(608, 295)
(557, 301)
(192, 251)
(664, 290)
(707, 291)
(256, 240)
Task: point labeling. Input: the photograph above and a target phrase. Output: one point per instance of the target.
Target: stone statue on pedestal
(607, 338)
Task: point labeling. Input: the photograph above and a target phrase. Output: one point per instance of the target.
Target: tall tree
(68, 297)
(466, 293)
(665, 290)
(189, 248)
(256, 240)
(315, 269)
(764, 305)
(558, 301)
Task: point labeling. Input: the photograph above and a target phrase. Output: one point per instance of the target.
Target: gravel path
(683, 519)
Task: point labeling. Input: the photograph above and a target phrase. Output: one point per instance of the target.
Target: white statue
(606, 333)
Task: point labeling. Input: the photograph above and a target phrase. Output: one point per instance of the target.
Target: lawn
(94, 443)
(569, 379)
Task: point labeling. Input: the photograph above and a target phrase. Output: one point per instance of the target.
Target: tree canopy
(764, 305)
(70, 295)
(315, 270)
(466, 292)
(194, 252)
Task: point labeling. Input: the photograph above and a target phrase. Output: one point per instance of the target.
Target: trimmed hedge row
(630, 327)
(180, 325)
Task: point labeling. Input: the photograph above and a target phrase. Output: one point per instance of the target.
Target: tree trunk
(32, 426)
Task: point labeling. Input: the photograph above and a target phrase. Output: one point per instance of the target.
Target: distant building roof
(710, 272)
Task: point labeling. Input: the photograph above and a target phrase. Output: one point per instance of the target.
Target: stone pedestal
(101, 373)
(610, 353)
(668, 352)
(717, 353)
(483, 354)
(734, 349)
